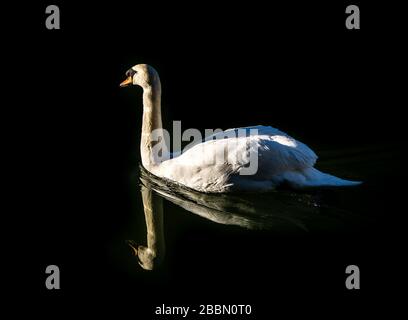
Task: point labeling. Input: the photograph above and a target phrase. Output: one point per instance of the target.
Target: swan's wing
(279, 153)
(209, 165)
(261, 130)
(276, 149)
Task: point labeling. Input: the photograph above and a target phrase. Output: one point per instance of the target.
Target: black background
(293, 66)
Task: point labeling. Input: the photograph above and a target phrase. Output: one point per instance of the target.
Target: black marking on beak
(130, 73)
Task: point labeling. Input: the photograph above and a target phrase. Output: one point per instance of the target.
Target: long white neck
(153, 147)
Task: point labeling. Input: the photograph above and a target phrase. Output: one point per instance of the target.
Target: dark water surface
(291, 241)
(295, 67)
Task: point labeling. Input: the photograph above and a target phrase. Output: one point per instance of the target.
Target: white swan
(281, 159)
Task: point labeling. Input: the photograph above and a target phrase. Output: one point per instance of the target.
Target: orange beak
(127, 82)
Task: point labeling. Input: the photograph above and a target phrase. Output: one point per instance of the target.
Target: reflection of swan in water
(279, 211)
(243, 210)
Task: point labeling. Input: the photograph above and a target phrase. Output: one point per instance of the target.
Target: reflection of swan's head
(145, 255)
(142, 75)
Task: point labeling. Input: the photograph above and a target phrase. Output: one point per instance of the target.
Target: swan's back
(218, 163)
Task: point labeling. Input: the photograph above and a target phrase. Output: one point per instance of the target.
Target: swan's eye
(131, 73)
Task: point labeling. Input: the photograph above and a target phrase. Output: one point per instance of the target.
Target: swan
(280, 158)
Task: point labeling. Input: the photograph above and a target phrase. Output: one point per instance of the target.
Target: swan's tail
(314, 178)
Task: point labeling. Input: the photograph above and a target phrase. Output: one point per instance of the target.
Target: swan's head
(147, 258)
(141, 75)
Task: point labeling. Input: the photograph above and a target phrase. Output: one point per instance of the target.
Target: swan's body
(281, 159)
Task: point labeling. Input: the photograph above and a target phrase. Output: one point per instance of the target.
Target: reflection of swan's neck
(152, 122)
(153, 209)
